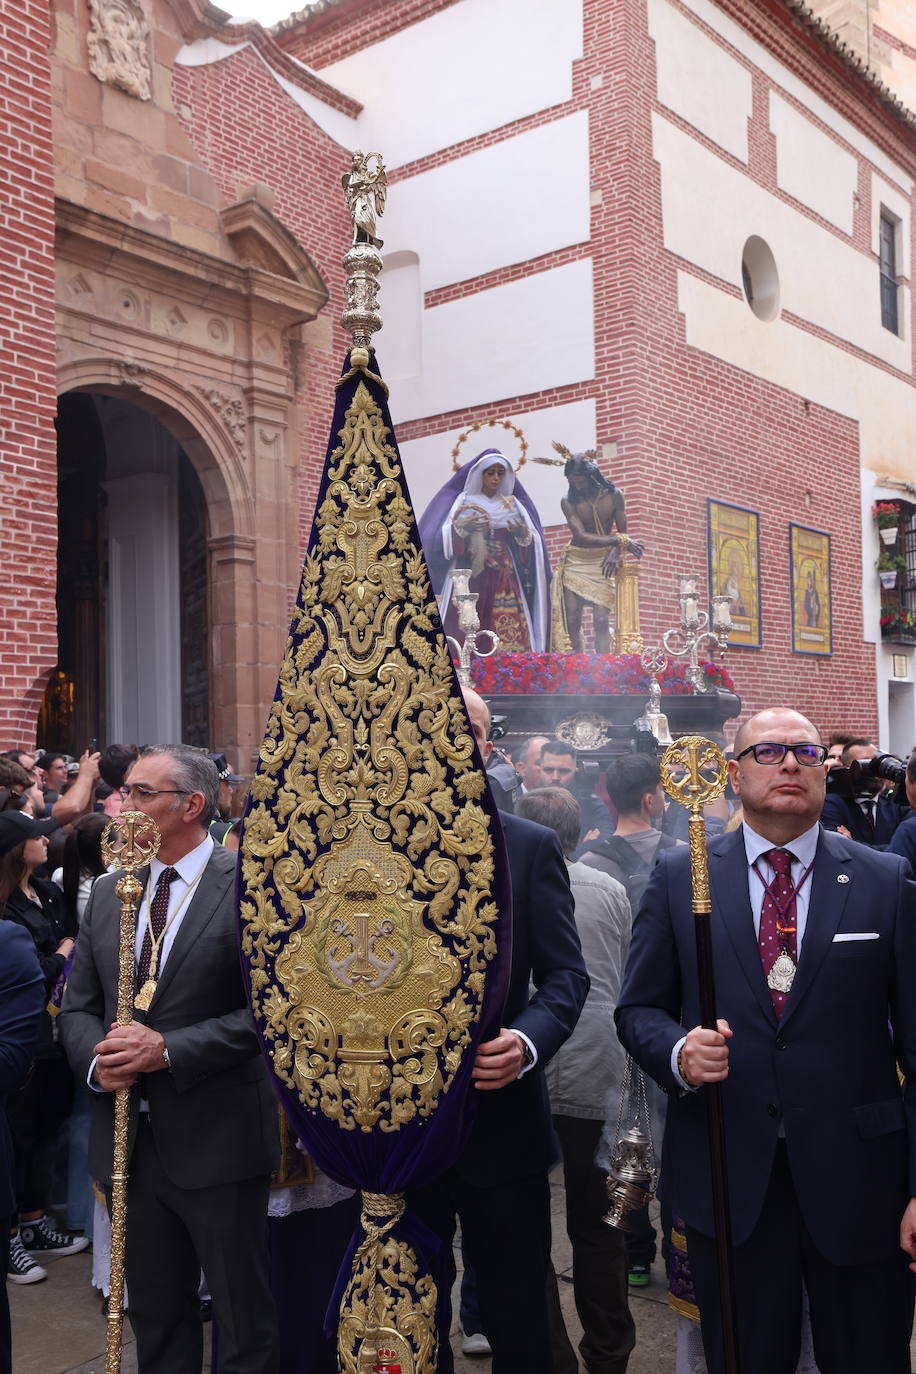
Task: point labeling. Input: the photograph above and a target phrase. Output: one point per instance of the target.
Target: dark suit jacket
(214, 1115)
(512, 1135)
(842, 811)
(827, 1068)
(22, 1000)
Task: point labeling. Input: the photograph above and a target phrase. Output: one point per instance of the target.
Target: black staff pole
(694, 773)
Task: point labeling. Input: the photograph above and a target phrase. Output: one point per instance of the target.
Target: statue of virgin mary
(483, 519)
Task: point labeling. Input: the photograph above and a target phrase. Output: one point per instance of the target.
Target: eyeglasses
(769, 751)
(136, 793)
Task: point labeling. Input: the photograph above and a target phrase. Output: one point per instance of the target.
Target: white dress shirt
(189, 869)
(803, 849)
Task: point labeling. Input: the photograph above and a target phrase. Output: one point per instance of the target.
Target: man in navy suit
(814, 946)
(22, 997)
(499, 1186)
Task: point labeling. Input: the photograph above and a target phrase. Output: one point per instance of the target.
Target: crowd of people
(809, 874)
(53, 811)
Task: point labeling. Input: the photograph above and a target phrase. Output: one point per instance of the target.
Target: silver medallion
(782, 973)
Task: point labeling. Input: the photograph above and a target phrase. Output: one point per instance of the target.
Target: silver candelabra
(653, 717)
(465, 603)
(684, 640)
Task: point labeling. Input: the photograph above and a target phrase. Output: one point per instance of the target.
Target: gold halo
(483, 424)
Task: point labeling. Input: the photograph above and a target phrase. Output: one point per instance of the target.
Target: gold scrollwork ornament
(368, 863)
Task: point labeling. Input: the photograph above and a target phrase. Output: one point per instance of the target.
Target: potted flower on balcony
(898, 624)
(887, 518)
(890, 566)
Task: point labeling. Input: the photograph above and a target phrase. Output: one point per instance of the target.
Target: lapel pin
(842, 877)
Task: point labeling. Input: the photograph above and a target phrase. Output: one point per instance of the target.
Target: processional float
(693, 773)
(374, 892)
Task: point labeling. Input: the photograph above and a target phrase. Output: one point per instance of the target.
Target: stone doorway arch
(170, 570)
(207, 346)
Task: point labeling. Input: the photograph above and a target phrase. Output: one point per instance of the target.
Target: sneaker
(639, 1276)
(475, 1344)
(40, 1238)
(22, 1268)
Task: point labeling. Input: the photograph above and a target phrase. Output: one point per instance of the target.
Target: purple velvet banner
(369, 770)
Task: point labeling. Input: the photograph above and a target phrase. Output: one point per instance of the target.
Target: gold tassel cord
(388, 1311)
(359, 362)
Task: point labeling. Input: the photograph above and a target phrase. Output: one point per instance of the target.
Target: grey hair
(194, 771)
(557, 808)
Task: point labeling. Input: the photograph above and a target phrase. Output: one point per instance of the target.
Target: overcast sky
(267, 11)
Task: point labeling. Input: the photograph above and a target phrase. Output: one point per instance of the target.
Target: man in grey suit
(203, 1119)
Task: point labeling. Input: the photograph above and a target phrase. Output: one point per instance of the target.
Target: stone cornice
(150, 260)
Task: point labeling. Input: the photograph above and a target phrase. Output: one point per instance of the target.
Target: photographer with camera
(904, 841)
(856, 803)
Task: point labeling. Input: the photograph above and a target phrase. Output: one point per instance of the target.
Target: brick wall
(126, 158)
(689, 427)
(246, 130)
(28, 470)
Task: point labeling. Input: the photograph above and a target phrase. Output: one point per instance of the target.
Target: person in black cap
(227, 780)
(37, 1110)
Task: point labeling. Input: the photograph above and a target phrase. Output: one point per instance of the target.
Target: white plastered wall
(812, 167)
(740, 40)
(472, 215)
(719, 102)
(521, 337)
(471, 68)
(823, 280)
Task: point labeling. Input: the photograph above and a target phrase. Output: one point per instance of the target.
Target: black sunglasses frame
(777, 744)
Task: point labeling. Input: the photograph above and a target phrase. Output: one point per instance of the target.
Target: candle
(467, 612)
(722, 616)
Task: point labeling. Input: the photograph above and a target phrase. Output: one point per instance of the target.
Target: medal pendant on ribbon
(781, 975)
(145, 996)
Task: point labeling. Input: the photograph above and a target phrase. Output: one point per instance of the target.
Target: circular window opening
(760, 278)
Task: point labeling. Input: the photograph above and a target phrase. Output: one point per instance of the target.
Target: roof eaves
(850, 59)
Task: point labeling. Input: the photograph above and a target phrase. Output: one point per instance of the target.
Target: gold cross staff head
(694, 772)
(130, 840)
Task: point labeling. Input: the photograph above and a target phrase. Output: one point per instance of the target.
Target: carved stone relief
(132, 374)
(119, 45)
(231, 411)
(79, 286)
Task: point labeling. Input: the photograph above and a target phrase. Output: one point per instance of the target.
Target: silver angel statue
(366, 188)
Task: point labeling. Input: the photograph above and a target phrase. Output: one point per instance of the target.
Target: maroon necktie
(159, 910)
(777, 919)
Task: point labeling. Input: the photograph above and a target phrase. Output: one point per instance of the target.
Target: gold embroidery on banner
(367, 866)
(388, 1311)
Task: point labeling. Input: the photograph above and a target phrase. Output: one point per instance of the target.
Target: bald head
(773, 718)
(780, 800)
(479, 716)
